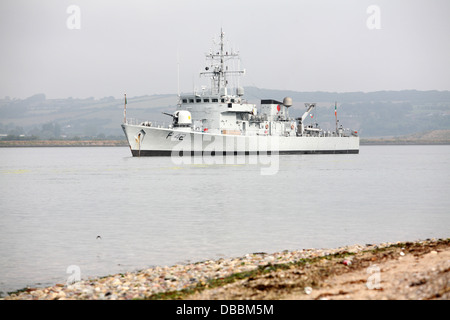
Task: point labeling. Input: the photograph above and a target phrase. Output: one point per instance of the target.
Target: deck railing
(146, 123)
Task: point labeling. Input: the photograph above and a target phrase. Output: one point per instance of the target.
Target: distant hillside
(51, 118)
(372, 114)
(430, 137)
(411, 96)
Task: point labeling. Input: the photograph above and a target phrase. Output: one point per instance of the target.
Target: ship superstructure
(218, 120)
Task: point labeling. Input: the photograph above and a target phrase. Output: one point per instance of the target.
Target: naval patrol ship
(219, 121)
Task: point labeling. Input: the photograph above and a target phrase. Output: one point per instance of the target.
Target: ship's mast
(218, 70)
(222, 63)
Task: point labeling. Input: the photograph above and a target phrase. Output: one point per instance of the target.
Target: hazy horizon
(305, 46)
(265, 90)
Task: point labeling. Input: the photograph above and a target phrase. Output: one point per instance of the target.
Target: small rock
(308, 290)
(51, 296)
(87, 291)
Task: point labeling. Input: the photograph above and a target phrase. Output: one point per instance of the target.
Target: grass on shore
(316, 271)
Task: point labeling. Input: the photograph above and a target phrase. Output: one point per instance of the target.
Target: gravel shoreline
(148, 283)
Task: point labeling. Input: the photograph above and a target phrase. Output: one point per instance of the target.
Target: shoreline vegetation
(62, 143)
(435, 137)
(395, 271)
(123, 143)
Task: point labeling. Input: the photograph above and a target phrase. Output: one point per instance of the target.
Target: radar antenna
(217, 69)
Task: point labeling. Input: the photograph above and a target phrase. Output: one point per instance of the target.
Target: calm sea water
(153, 211)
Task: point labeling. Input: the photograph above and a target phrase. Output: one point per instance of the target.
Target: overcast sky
(310, 45)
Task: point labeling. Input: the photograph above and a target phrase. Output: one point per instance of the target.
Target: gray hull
(152, 141)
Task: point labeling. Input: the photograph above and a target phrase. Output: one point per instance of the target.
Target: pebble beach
(146, 283)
